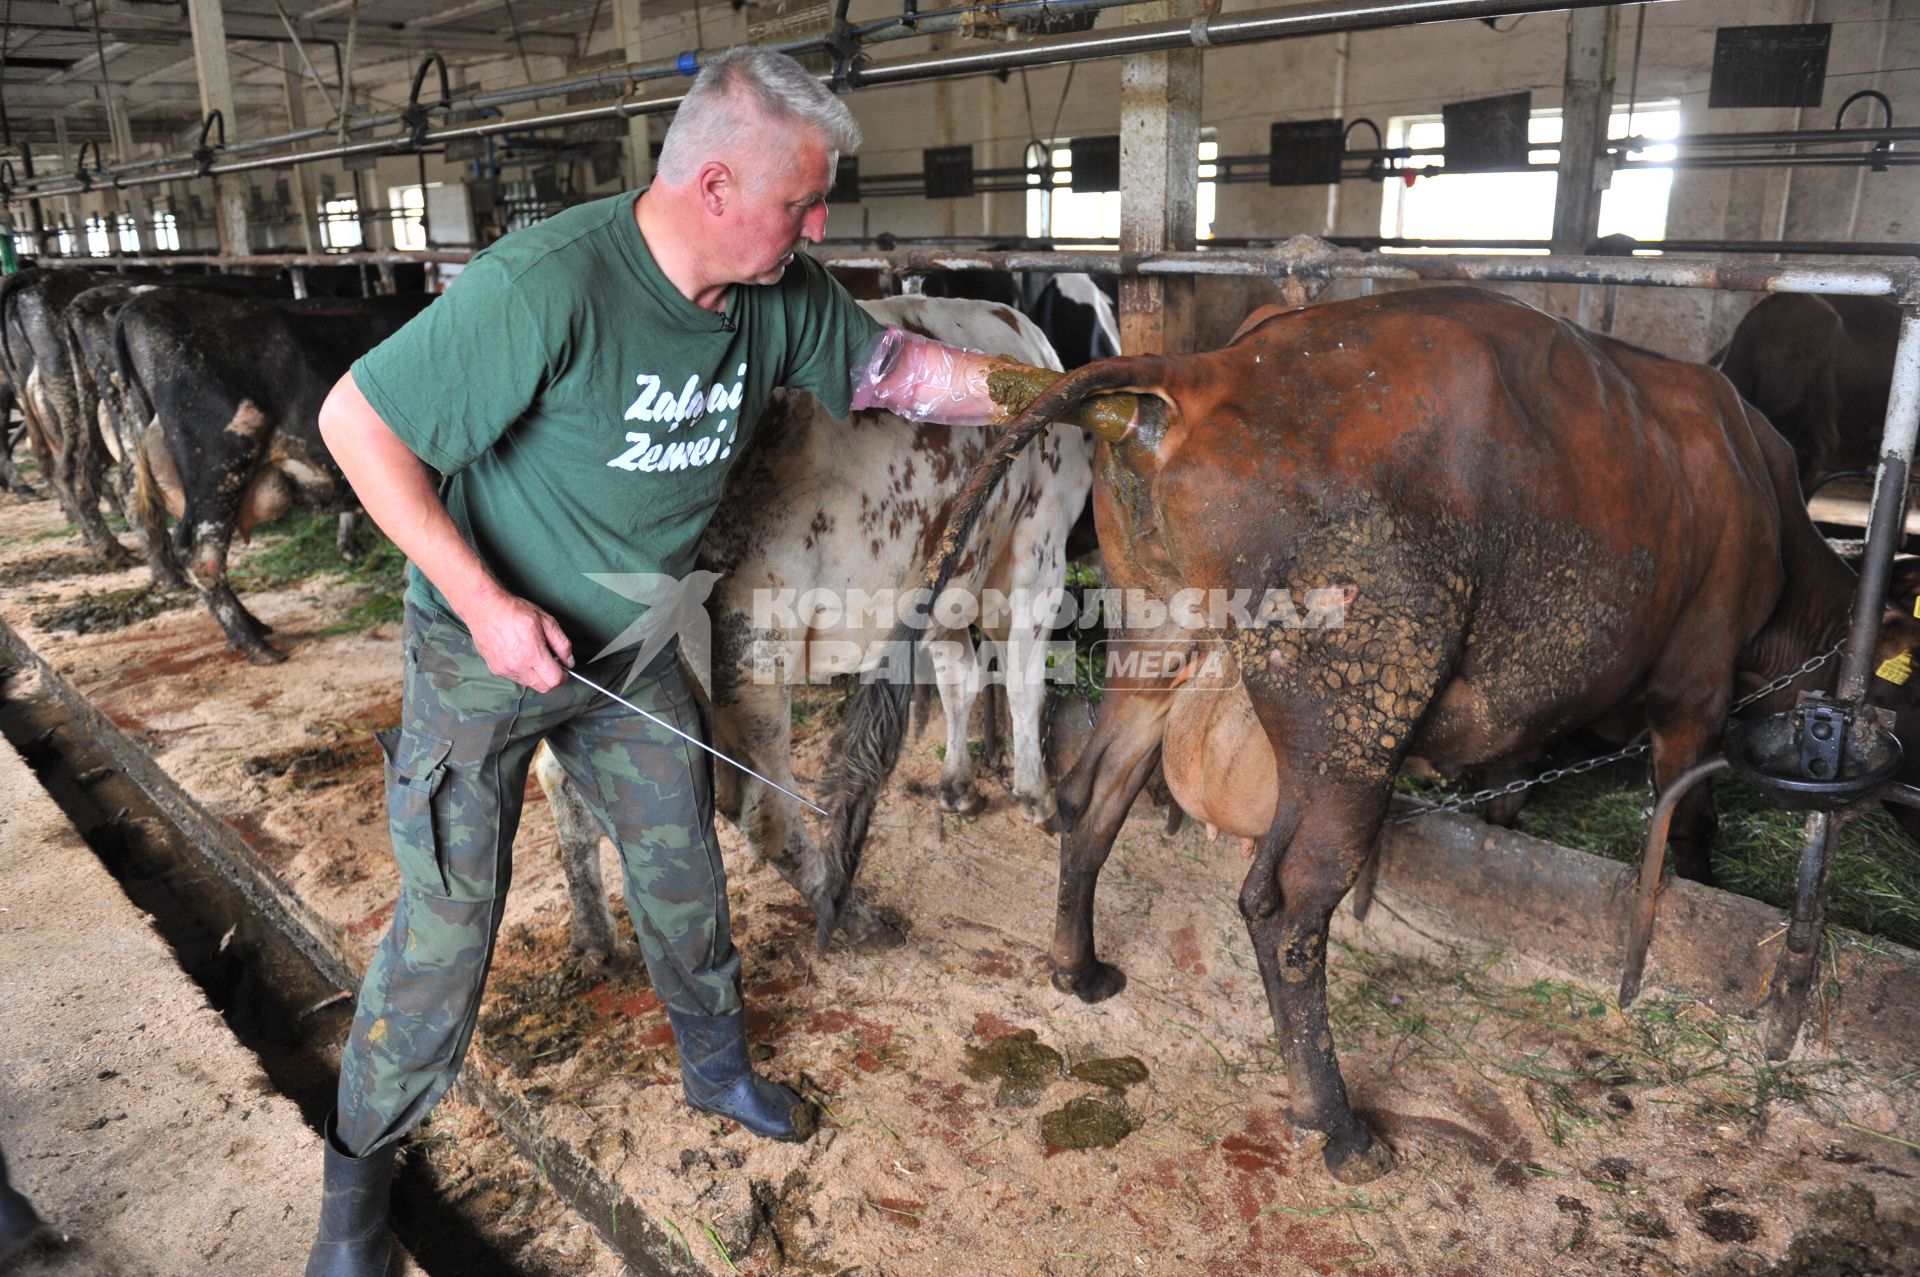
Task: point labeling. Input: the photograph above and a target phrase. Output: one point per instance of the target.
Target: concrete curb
(1571, 908)
(618, 1219)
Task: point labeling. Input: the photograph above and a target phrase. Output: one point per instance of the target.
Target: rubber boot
(354, 1240)
(719, 1079)
(18, 1223)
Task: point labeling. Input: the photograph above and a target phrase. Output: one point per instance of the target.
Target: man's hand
(519, 641)
(924, 380)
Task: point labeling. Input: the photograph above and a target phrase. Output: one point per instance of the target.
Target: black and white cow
(35, 358)
(844, 505)
(230, 390)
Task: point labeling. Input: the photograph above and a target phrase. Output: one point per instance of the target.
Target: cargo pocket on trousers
(416, 768)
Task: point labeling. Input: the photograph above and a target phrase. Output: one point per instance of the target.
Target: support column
(1159, 145)
(626, 29)
(1585, 104)
(69, 208)
(216, 94)
(307, 207)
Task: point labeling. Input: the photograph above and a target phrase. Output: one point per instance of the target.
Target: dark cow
(1820, 369)
(10, 480)
(35, 359)
(1526, 525)
(235, 386)
(60, 397)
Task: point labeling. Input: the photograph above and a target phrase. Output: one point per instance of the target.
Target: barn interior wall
(1876, 44)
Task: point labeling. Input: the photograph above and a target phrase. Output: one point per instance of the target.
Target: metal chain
(1551, 775)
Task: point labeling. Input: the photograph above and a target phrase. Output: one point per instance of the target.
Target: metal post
(216, 94)
(1585, 104)
(626, 28)
(65, 161)
(34, 207)
(1653, 860)
(1792, 978)
(306, 207)
(1159, 140)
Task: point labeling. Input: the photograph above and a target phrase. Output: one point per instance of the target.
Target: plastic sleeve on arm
(924, 380)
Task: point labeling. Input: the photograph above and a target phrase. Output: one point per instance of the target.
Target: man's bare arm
(516, 639)
(925, 380)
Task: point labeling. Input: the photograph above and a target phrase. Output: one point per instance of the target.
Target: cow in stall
(35, 360)
(856, 505)
(99, 391)
(1821, 370)
(235, 386)
(10, 480)
(1527, 525)
(64, 424)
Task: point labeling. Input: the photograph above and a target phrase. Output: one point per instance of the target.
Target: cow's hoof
(870, 928)
(261, 654)
(963, 802)
(1094, 983)
(611, 963)
(1359, 1159)
(115, 556)
(1045, 813)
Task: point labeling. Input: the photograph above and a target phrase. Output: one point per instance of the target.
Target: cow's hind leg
(956, 669)
(592, 933)
(1094, 801)
(756, 728)
(1686, 711)
(153, 474)
(245, 632)
(1321, 835)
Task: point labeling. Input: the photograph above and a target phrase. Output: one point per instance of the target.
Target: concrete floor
(144, 1133)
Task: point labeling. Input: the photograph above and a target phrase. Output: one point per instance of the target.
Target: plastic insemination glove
(924, 380)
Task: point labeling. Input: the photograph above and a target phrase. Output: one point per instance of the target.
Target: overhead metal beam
(454, 14)
(1248, 27)
(86, 97)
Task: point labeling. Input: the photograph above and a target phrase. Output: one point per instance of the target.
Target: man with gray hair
(582, 389)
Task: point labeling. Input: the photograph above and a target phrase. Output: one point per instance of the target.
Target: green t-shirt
(583, 412)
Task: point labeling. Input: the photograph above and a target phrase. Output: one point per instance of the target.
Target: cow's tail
(149, 502)
(867, 746)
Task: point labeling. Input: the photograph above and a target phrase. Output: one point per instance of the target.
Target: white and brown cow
(837, 506)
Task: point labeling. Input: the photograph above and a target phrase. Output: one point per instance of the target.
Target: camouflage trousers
(456, 777)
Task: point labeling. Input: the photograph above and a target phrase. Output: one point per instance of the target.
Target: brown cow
(1820, 369)
(1533, 524)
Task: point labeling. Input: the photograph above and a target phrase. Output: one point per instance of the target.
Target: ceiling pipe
(1272, 24)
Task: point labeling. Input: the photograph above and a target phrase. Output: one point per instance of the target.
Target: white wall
(1410, 70)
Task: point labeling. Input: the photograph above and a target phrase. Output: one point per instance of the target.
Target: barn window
(1060, 212)
(340, 224)
(129, 231)
(408, 206)
(63, 240)
(99, 243)
(166, 231)
(1483, 206)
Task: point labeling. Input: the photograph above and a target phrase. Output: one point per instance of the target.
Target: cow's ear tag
(1916, 601)
(1897, 670)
